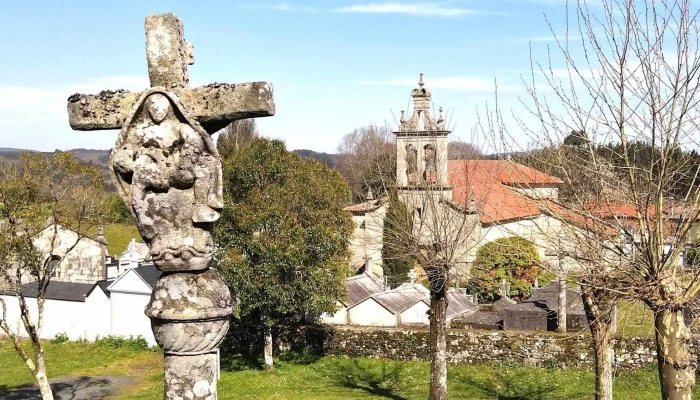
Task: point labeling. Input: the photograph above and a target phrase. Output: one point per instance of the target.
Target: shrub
(116, 342)
(692, 256)
(60, 338)
(512, 258)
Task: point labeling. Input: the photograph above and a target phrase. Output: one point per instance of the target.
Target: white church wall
(541, 193)
(65, 317)
(541, 231)
(415, 315)
(85, 263)
(371, 313)
(368, 239)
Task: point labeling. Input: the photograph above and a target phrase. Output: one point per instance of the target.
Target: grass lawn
(328, 378)
(118, 236)
(634, 319)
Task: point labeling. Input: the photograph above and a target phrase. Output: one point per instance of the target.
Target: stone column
(189, 314)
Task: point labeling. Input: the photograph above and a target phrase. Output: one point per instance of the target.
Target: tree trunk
(676, 372)
(438, 343)
(41, 379)
(601, 311)
(561, 312)
(604, 353)
(269, 364)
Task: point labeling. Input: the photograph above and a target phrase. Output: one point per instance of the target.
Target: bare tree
(38, 194)
(460, 150)
(235, 136)
(629, 83)
(436, 229)
(367, 159)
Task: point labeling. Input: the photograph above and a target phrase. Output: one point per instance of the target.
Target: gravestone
(168, 171)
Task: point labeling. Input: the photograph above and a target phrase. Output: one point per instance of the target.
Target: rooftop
(57, 290)
(360, 287)
(493, 184)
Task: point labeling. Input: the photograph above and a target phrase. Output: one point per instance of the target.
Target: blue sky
(335, 65)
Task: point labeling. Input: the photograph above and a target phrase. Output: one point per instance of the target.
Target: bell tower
(421, 147)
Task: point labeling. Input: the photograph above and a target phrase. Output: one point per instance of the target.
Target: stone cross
(505, 289)
(167, 170)
(412, 275)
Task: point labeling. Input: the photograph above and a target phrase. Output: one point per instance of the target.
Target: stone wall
(527, 348)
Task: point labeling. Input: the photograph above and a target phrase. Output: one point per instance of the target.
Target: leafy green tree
(118, 211)
(692, 255)
(282, 236)
(397, 223)
(39, 193)
(512, 258)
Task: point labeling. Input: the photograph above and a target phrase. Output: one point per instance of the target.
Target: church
(467, 203)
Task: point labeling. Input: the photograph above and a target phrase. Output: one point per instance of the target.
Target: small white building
(358, 287)
(128, 296)
(111, 307)
(64, 310)
(408, 304)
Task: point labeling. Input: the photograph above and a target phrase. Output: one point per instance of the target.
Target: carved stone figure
(430, 174)
(412, 164)
(169, 172)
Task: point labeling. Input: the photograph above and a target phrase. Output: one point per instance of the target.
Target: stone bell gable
(421, 144)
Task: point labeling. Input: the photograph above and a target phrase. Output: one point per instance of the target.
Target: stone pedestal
(190, 377)
(190, 314)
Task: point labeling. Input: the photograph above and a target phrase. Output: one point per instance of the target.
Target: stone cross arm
(214, 105)
(168, 54)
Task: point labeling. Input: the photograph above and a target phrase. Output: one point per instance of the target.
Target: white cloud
(36, 118)
(421, 9)
(460, 83)
(26, 104)
(281, 7)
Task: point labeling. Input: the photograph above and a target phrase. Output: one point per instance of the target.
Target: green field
(328, 378)
(118, 236)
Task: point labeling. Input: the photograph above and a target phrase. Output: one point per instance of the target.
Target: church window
(52, 266)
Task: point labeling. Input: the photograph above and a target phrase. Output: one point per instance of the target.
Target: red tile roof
(492, 184)
(367, 206)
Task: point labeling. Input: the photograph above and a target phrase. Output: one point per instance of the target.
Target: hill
(329, 159)
(100, 159)
(94, 157)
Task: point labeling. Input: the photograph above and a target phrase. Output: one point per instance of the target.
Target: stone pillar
(189, 314)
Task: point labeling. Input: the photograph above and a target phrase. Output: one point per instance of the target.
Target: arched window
(52, 266)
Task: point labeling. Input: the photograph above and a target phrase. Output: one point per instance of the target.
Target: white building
(86, 311)
(358, 288)
(407, 305)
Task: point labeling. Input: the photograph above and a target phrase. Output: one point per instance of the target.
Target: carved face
(189, 53)
(158, 107)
